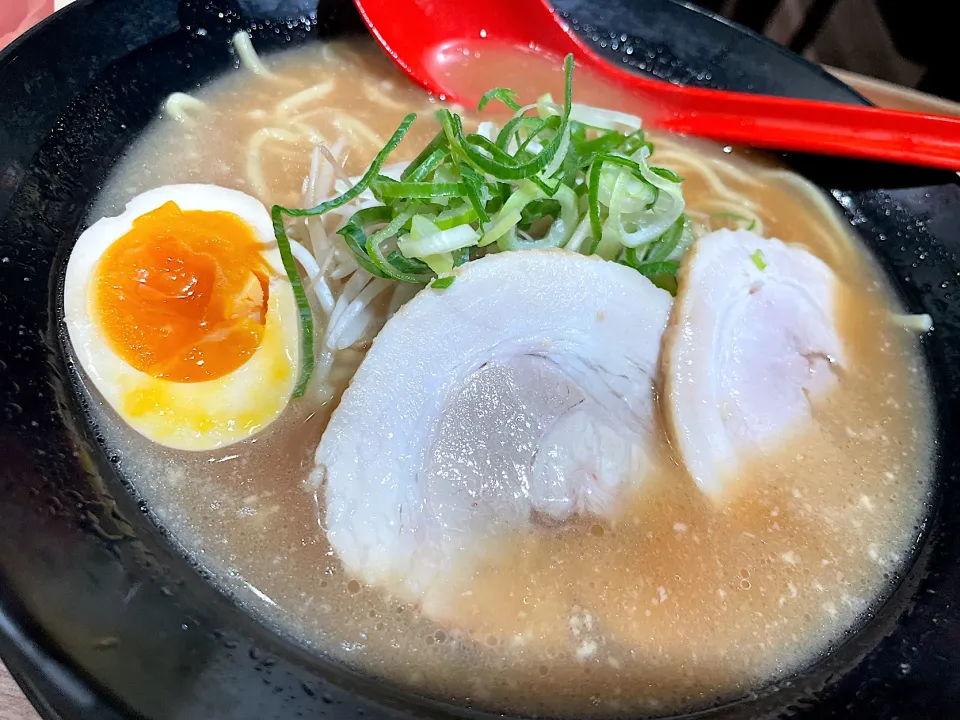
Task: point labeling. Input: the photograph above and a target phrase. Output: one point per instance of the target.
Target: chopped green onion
(634, 194)
(505, 95)
(603, 119)
(496, 153)
(554, 175)
(664, 246)
(441, 263)
(658, 268)
(429, 164)
(560, 230)
(417, 190)
(439, 142)
(635, 142)
(500, 224)
(550, 123)
(438, 241)
(367, 251)
(303, 305)
(510, 214)
(758, 260)
(593, 201)
(547, 189)
(473, 185)
(479, 154)
(355, 237)
(649, 268)
(442, 283)
(667, 174)
(653, 222)
(512, 129)
(537, 210)
(407, 265)
(583, 152)
(374, 249)
(461, 214)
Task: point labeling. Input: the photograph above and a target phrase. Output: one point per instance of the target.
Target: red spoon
(423, 35)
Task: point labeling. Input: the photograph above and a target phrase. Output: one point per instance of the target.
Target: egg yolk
(183, 295)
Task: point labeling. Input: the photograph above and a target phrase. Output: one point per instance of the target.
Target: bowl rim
(29, 652)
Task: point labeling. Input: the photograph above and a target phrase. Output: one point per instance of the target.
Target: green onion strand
(505, 95)
(664, 246)
(303, 305)
(418, 190)
(429, 164)
(439, 142)
(374, 247)
(442, 283)
(355, 237)
(593, 200)
(473, 185)
(549, 173)
(649, 269)
(407, 265)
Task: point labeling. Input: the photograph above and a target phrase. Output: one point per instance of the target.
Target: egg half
(181, 314)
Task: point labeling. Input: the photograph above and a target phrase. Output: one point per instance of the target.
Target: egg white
(198, 415)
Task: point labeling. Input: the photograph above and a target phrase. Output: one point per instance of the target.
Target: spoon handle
(814, 127)
(778, 123)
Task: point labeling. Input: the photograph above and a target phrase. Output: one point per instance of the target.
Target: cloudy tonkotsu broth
(675, 604)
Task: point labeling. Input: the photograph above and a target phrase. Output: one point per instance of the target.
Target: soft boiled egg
(183, 317)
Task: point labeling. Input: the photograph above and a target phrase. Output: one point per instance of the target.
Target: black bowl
(100, 615)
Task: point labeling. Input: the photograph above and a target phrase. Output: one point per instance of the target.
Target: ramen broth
(678, 603)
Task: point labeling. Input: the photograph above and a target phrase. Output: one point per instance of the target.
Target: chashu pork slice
(752, 343)
(521, 393)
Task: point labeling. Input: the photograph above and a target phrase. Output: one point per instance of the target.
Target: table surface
(13, 704)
